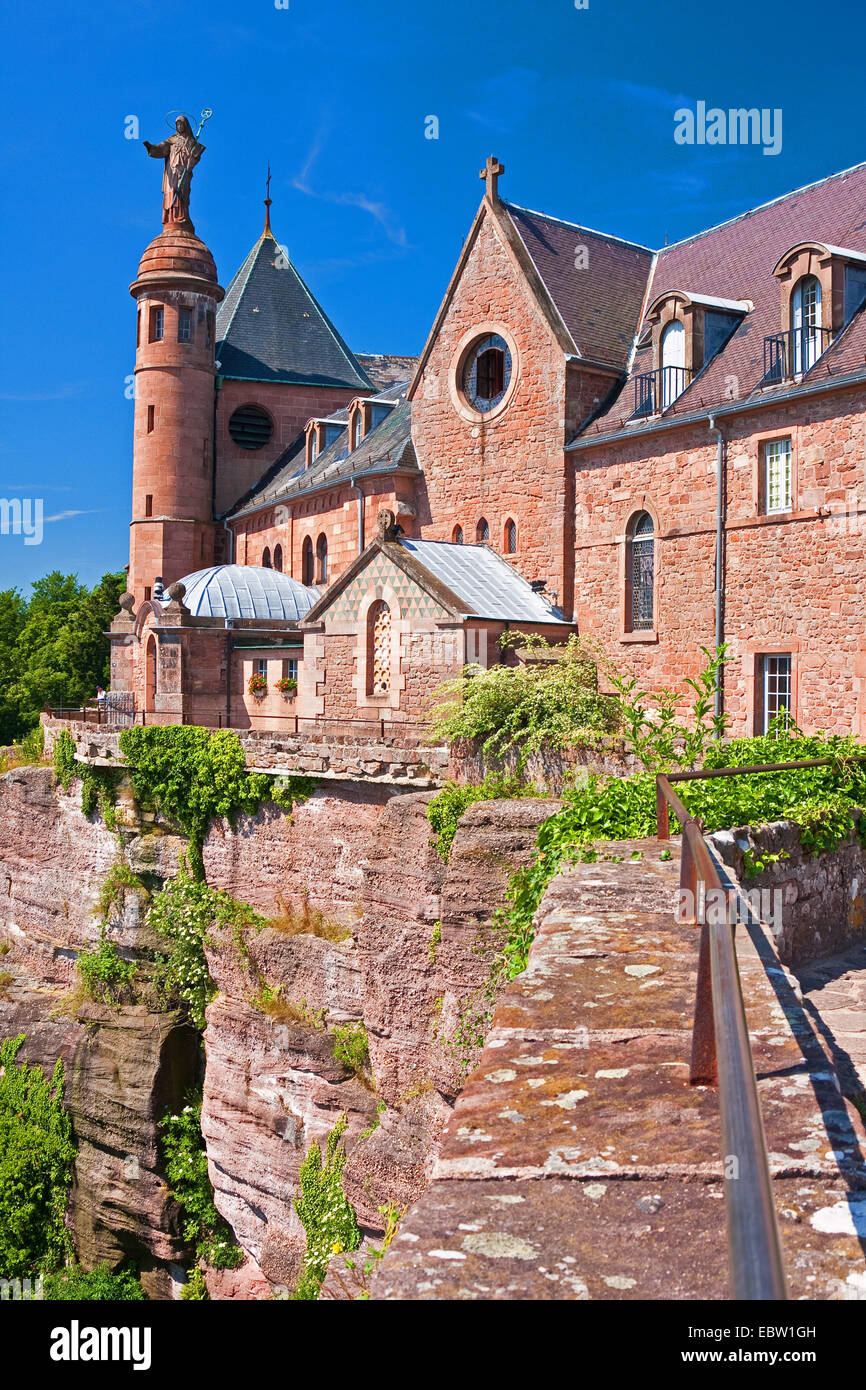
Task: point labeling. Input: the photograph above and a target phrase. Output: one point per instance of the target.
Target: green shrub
(65, 767)
(36, 1158)
(352, 1047)
(184, 913)
(119, 881)
(194, 776)
(552, 700)
(204, 1229)
(99, 1285)
(107, 977)
(195, 1288)
(326, 1215)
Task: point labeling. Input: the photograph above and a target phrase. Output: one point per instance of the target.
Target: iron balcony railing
(655, 391)
(790, 354)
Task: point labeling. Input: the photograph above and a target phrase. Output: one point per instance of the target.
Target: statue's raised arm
(181, 152)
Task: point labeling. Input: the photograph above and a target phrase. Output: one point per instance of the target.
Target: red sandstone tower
(176, 295)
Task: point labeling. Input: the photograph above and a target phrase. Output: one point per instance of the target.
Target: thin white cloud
(63, 393)
(65, 516)
(380, 211)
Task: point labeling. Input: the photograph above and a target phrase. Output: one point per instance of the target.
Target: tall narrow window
(151, 415)
(184, 325)
(138, 328)
(482, 531)
(322, 560)
(357, 428)
(777, 475)
(640, 573)
(209, 321)
(156, 324)
(379, 649)
(510, 538)
(307, 561)
(278, 558)
(148, 504)
(806, 334)
(457, 535)
(290, 668)
(773, 689)
(673, 363)
(266, 558)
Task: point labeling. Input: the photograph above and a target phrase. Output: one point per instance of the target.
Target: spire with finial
(268, 201)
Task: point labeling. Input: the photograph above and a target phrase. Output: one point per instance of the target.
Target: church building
(660, 449)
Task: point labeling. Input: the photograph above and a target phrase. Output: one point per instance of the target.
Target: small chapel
(660, 448)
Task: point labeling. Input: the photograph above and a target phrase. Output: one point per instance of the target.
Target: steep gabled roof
(596, 281)
(385, 447)
(736, 261)
(270, 327)
(469, 581)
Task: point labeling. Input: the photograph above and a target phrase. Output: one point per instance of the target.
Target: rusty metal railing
(722, 1055)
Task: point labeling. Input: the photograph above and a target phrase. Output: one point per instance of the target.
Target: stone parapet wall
(548, 769)
(399, 758)
(822, 908)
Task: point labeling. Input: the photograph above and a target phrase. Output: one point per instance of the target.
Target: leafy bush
(652, 725)
(551, 700)
(447, 806)
(194, 777)
(352, 1047)
(326, 1215)
(186, 1170)
(36, 1158)
(184, 913)
(99, 1285)
(106, 975)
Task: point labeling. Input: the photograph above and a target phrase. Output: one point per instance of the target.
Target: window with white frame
(774, 687)
(260, 667)
(777, 475)
(290, 668)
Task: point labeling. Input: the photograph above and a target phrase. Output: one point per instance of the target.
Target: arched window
(510, 537)
(806, 323)
(379, 648)
(307, 561)
(322, 559)
(278, 558)
(482, 531)
(673, 363)
(457, 535)
(640, 573)
(266, 558)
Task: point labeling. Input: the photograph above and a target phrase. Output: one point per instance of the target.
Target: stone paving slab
(579, 1161)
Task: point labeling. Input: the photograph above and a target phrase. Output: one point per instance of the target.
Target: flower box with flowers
(258, 685)
(287, 686)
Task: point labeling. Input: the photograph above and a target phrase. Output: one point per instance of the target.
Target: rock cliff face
(415, 959)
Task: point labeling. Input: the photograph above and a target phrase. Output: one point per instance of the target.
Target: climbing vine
(326, 1214)
(208, 1234)
(184, 913)
(193, 776)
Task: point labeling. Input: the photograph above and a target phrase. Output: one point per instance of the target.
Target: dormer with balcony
(821, 288)
(685, 332)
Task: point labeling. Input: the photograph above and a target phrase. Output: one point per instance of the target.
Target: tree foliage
(36, 1157)
(53, 648)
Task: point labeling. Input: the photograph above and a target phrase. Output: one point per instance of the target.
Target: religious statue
(181, 153)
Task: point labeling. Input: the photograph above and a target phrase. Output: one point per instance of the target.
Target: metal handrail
(794, 352)
(722, 1055)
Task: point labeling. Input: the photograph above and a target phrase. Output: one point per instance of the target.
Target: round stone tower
(176, 294)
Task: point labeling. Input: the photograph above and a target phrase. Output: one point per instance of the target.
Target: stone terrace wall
(823, 905)
(550, 769)
(398, 758)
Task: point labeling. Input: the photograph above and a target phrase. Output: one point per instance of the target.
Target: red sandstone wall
(794, 582)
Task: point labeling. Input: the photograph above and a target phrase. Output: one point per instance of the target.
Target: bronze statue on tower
(181, 152)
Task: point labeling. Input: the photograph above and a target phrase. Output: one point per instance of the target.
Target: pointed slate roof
(270, 327)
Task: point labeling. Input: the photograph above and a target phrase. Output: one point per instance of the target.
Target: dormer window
(685, 331)
(357, 429)
(821, 288)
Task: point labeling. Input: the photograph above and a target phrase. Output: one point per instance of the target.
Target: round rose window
(487, 372)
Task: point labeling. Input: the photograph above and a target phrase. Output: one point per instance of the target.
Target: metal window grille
(777, 475)
(511, 538)
(458, 535)
(482, 531)
(278, 558)
(642, 574)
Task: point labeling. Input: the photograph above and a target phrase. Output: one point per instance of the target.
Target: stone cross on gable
(490, 173)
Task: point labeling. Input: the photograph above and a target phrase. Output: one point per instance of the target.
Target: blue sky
(578, 104)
